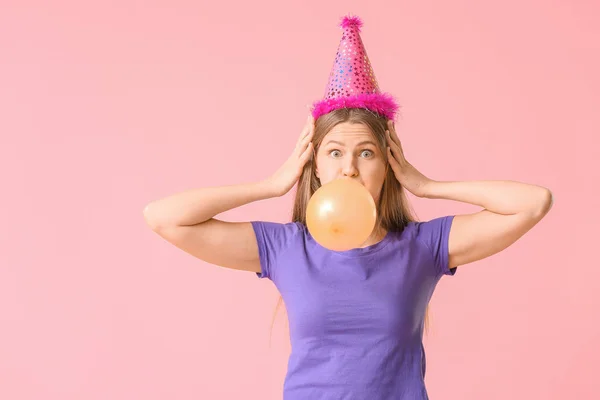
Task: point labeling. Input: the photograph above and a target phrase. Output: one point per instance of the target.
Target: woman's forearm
(501, 197)
(194, 206)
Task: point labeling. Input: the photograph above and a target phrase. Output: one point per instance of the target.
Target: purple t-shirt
(356, 317)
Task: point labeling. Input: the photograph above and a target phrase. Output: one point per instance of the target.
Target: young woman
(357, 316)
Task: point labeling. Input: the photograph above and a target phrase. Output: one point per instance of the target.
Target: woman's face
(349, 150)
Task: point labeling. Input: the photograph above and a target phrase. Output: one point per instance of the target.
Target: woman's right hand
(288, 174)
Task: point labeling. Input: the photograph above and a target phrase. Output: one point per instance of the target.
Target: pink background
(106, 107)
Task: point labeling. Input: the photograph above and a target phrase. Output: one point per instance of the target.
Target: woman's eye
(364, 151)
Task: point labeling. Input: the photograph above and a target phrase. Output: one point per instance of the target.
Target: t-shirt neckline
(358, 251)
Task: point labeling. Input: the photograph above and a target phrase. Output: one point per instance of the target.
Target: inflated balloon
(341, 215)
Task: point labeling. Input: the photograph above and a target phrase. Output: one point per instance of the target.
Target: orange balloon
(341, 215)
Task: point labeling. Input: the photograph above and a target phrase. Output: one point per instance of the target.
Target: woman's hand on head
(288, 174)
(408, 176)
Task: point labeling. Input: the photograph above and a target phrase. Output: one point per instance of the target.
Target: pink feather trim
(349, 21)
(380, 103)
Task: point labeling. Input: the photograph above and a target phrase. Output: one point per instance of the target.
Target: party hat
(352, 82)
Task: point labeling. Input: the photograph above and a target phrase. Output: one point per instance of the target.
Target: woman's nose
(349, 168)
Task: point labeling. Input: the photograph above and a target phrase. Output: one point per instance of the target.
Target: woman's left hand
(408, 176)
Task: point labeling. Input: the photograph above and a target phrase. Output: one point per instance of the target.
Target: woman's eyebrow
(358, 144)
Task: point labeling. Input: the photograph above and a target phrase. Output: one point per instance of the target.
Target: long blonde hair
(393, 209)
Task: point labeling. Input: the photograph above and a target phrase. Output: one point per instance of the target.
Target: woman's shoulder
(292, 227)
(275, 240)
(428, 230)
(280, 233)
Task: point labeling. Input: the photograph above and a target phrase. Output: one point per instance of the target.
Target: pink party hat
(352, 82)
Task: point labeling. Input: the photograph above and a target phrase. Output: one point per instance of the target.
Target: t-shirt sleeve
(434, 234)
(273, 239)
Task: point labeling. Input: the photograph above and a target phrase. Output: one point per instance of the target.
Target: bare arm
(187, 220)
(199, 205)
(511, 209)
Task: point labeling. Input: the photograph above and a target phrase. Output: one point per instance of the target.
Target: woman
(356, 316)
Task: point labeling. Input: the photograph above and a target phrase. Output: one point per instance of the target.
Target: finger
(301, 146)
(391, 159)
(309, 133)
(306, 131)
(307, 153)
(393, 163)
(393, 134)
(390, 154)
(396, 148)
(391, 141)
(307, 126)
